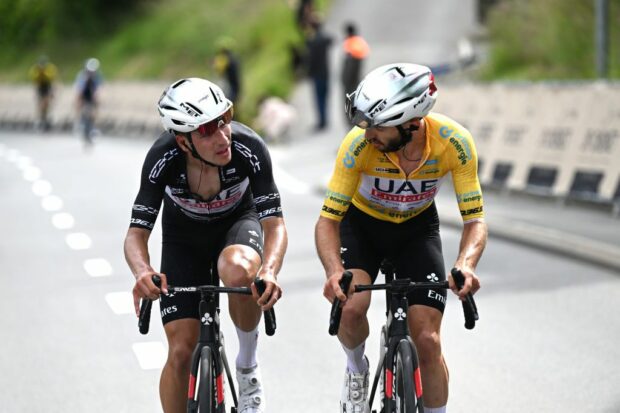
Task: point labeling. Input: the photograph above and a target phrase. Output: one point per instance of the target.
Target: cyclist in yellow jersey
(380, 204)
(43, 74)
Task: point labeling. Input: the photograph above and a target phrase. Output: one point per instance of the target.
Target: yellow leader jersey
(376, 184)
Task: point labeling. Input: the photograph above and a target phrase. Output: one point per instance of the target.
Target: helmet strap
(195, 153)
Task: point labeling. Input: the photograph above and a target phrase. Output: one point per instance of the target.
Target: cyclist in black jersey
(379, 205)
(221, 217)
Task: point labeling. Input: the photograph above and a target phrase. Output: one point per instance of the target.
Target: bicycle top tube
(214, 289)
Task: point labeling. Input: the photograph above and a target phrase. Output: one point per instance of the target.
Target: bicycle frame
(212, 337)
(396, 329)
(393, 332)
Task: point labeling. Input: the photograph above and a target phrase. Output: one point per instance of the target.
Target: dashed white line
(150, 355)
(78, 241)
(63, 220)
(51, 203)
(31, 173)
(41, 187)
(98, 267)
(289, 182)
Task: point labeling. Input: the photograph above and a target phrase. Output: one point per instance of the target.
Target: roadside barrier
(556, 139)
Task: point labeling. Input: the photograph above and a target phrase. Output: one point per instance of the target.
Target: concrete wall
(557, 139)
(562, 140)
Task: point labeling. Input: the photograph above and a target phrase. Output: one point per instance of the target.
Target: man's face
(214, 148)
(384, 139)
(388, 139)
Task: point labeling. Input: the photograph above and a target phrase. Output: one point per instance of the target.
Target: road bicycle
(206, 392)
(398, 367)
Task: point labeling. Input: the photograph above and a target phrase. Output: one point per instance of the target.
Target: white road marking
(289, 182)
(31, 173)
(120, 302)
(41, 187)
(63, 220)
(150, 355)
(12, 155)
(51, 203)
(78, 241)
(98, 267)
(23, 162)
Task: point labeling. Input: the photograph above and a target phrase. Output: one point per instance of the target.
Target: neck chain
(405, 155)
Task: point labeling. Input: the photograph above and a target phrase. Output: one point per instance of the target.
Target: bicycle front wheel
(206, 388)
(406, 386)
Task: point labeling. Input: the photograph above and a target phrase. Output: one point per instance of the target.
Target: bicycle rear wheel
(406, 385)
(206, 388)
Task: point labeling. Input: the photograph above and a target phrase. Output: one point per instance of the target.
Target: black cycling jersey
(246, 183)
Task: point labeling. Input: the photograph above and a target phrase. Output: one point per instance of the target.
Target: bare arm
(327, 240)
(275, 244)
(138, 259)
(473, 241)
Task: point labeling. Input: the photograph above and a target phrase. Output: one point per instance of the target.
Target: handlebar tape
(144, 320)
(469, 305)
(270, 315)
(336, 312)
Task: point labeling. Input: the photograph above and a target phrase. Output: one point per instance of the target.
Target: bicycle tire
(405, 389)
(206, 388)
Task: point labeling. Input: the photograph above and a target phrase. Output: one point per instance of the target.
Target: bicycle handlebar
(145, 307)
(270, 315)
(469, 305)
(336, 312)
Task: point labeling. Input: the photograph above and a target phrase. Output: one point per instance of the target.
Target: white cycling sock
(356, 362)
(435, 409)
(248, 342)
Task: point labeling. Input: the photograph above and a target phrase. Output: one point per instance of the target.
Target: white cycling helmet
(188, 103)
(391, 95)
(92, 64)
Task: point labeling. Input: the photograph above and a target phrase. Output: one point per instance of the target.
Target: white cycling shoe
(251, 398)
(355, 393)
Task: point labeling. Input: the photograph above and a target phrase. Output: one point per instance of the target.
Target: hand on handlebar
(471, 285)
(272, 293)
(332, 290)
(146, 288)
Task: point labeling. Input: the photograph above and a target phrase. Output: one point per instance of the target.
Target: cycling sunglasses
(356, 117)
(212, 126)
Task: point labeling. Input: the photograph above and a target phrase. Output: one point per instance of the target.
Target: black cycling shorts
(192, 260)
(414, 247)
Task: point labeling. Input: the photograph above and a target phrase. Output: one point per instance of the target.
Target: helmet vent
(194, 107)
(179, 83)
(395, 117)
(168, 107)
(374, 105)
(216, 97)
(177, 122)
(404, 100)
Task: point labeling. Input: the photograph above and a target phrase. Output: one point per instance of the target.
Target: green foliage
(551, 39)
(153, 40)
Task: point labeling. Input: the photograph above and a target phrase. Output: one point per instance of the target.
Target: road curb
(548, 239)
(535, 236)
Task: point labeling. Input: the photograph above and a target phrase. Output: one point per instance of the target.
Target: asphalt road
(546, 339)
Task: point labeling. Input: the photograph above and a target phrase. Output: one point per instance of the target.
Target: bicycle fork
(393, 333)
